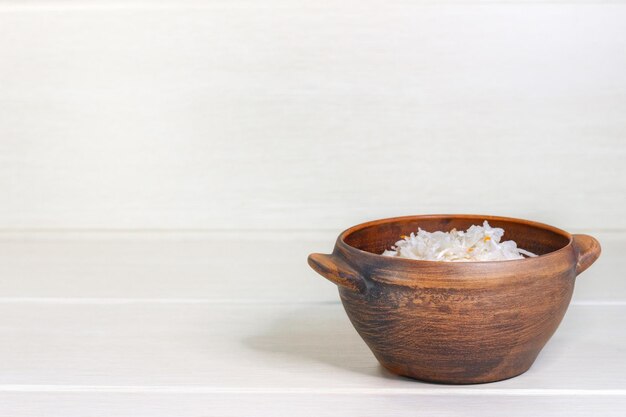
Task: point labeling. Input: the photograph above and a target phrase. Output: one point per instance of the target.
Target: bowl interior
(377, 236)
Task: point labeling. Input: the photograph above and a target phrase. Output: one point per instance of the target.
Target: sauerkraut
(478, 243)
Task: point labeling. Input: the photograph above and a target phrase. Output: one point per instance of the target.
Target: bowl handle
(587, 249)
(336, 270)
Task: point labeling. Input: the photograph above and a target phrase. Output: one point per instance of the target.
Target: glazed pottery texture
(456, 322)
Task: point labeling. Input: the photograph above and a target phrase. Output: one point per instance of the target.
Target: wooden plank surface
(268, 360)
(304, 114)
(264, 349)
(162, 324)
(371, 404)
(260, 267)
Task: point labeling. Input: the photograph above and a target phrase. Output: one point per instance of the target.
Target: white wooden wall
(166, 166)
(307, 114)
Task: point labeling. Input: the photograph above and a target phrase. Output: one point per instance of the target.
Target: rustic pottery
(456, 322)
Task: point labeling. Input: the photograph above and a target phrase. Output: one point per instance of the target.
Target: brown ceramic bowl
(456, 322)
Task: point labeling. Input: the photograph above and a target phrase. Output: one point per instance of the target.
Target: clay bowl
(456, 322)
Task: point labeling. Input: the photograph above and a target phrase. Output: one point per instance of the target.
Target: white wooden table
(220, 324)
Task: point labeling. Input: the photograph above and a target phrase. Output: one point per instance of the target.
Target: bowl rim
(359, 252)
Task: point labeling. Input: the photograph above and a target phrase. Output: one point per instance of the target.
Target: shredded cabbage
(478, 243)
